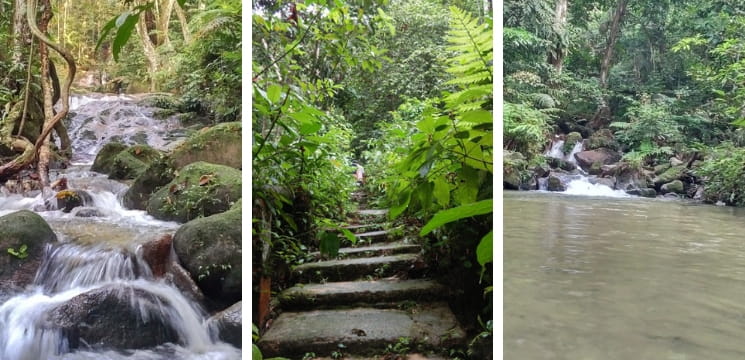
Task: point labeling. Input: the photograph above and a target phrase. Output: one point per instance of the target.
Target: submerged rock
(555, 184)
(228, 325)
(23, 236)
(200, 189)
(210, 249)
(113, 317)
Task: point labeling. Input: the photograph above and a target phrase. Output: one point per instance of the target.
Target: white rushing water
(584, 187)
(101, 251)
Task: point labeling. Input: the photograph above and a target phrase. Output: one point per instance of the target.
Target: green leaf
(257, 353)
(484, 249)
(105, 32)
(457, 213)
(477, 117)
(123, 33)
(274, 93)
(403, 203)
(349, 235)
(181, 2)
(442, 192)
(329, 243)
(309, 128)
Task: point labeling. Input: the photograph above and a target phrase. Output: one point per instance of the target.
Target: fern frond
(473, 42)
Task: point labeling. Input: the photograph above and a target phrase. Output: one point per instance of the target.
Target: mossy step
(351, 292)
(372, 236)
(371, 226)
(352, 269)
(372, 212)
(362, 331)
(398, 247)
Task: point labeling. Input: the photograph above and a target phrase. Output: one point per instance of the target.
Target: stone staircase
(363, 303)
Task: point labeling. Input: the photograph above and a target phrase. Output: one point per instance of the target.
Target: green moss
(106, 155)
(200, 189)
(572, 139)
(220, 144)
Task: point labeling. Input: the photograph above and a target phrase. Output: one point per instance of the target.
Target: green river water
(622, 278)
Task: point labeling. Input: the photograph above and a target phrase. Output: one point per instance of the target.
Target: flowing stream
(622, 278)
(102, 251)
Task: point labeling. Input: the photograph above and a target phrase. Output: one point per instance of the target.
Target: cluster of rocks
(601, 160)
(198, 184)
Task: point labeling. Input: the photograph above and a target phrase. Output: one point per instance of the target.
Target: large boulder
(200, 189)
(571, 140)
(23, 237)
(115, 316)
(210, 249)
(602, 138)
(675, 186)
(105, 156)
(159, 173)
(673, 173)
(602, 156)
(228, 325)
(555, 183)
(629, 177)
(514, 170)
(132, 162)
(220, 144)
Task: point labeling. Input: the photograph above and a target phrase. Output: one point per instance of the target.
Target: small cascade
(556, 150)
(68, 271)
(96, 256)
(98, 119)
(570, 157)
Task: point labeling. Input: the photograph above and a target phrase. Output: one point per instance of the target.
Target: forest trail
(370, 300)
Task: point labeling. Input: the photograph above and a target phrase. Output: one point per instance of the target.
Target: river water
(103, 250)
(622, 278)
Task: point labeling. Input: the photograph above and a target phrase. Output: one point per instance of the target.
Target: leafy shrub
(723, 175)
(525, 129)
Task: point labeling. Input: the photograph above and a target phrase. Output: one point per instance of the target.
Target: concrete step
(361, 331)
(367, 227)
(375, 292)
(353, 269)
(372, 236)
(398, 247)
(367, 216)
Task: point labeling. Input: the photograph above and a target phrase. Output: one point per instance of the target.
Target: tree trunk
(150, 54)
(184, 24)
(558, 52)
(46, 88)
(613, 32)
(164, 18)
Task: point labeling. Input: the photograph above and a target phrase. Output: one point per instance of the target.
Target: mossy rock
(210, 249)
(220, 144)
(106, 155)
(23, 236)
(200, 189)
(673, 173)
(132, 162)
(675, 186)
(603, 138)
(571, 140)
(159, 173)
(513, 170)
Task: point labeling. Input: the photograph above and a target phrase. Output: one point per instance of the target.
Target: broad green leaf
(181, 2)
(274, 93)
(477, 117)
(442, 191)
(484, 249)
(105, 32)
(123, 33)
(349, 235)
(457, 213)
(309, 128)
(403, 203)
(257, 353)
(329, 244)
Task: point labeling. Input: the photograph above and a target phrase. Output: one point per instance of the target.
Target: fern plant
(449, 165)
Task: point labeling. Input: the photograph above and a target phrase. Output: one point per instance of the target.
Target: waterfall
(99, 253)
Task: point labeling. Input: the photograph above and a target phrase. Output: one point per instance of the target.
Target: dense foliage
(663, 77)
(403, 87)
